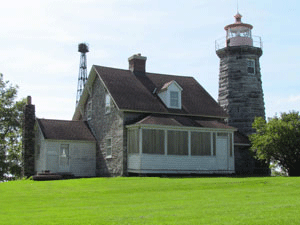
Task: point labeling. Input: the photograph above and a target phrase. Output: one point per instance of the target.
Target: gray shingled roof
(170, 120)
(65, 130)
(135, 93)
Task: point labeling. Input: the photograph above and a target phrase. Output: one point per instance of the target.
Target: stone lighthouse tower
(240, 85)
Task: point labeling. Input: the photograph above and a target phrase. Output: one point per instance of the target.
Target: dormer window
(174, 99)
(170, 94)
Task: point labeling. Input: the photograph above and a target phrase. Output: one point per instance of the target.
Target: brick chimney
(28, 138)
(137, 64)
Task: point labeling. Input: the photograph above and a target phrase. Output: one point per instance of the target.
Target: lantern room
(238, 33)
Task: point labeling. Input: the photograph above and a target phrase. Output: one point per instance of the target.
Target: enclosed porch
(204, 148)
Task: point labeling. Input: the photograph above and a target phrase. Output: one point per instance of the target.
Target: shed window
(64, 155)
(153, 141)
(174, 99)
(108, 143)
(251, 66)
(178, 143)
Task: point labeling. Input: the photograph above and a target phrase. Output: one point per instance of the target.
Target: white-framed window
(174, 99)
(108, 146)
(64, 154)
(89, 110)
(107, 103)
(251, 66)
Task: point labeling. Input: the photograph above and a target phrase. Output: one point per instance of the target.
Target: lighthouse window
(251, 66)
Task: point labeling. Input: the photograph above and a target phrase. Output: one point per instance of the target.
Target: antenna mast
(82, 77)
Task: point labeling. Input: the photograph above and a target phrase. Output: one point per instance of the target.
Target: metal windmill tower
(82, 77)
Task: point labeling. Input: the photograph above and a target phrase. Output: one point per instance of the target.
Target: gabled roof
(167, 85)
(136, 92)
(65, 130)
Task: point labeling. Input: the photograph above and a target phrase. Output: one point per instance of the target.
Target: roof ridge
(59, 120)
(146, 73)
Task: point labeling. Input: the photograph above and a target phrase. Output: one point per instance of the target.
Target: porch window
(133, 141)
(178, 143)
(153, 141)
(201, 143)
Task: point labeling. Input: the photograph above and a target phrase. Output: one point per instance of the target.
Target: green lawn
(271, 200)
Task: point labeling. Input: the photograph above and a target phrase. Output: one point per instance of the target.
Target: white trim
(149, 171)
(185, 128)
(189, 143)
(140, 141)
(166, 142)
(212, 143)
(165, 129)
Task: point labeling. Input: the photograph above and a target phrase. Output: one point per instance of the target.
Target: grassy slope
(272, 200)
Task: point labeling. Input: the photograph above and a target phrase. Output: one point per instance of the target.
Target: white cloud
(294, 99)
(279, 104)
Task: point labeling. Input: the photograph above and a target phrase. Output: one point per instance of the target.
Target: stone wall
(106, 125)
(28, 139)
(240, 93)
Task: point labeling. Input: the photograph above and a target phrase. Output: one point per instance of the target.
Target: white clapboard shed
(65, 147)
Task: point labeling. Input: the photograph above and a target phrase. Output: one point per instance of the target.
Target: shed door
(64, 158)
(222, 151)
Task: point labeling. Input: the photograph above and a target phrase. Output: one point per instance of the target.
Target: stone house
(149, 123)
(135, 122)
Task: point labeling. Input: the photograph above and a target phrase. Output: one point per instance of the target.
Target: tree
(11, 113)
(278, 141)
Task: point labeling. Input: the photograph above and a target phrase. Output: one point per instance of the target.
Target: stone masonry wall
(28, 139)
(106, 125)
(240, 93)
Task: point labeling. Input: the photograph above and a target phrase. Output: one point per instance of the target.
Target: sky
(39, 44)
